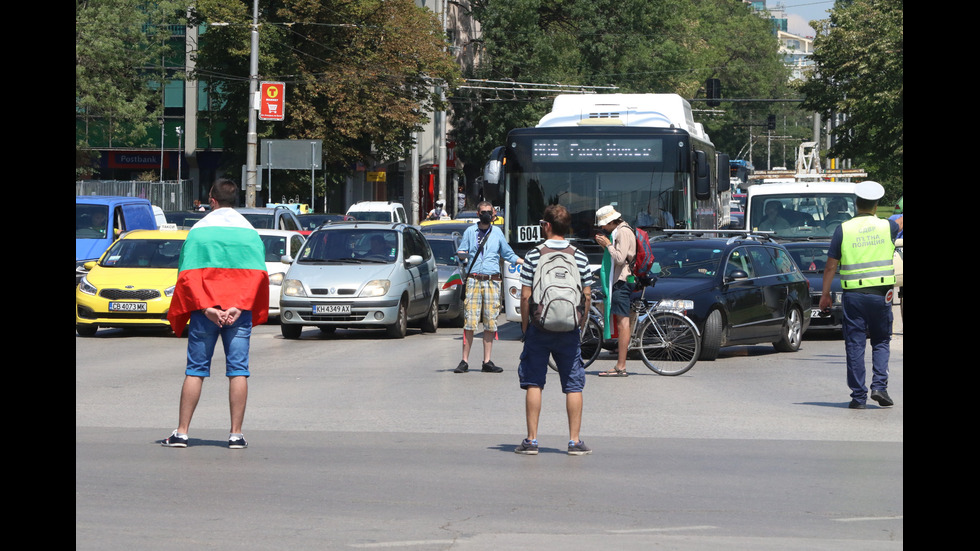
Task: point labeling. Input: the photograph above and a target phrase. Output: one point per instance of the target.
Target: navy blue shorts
(563, 347)
(620, 301)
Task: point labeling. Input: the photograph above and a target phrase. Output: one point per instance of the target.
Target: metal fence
(169, 196)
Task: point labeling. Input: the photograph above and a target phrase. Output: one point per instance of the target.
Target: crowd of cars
(341, 272)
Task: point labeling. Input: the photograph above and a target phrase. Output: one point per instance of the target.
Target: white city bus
(642, 153)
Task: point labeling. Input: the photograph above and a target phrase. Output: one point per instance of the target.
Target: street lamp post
(180, 151)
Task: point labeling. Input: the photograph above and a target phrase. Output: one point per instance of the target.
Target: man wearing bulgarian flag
(222, 290)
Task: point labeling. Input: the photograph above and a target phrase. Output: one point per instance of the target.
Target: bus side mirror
(724, 173)
(702, 176)
(493, 172)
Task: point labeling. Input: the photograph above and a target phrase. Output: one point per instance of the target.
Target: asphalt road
(360, 442)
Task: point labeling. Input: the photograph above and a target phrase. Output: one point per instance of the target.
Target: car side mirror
(286, 259)
(414, 260)
(737, 275)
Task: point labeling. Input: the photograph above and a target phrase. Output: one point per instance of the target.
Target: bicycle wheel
(669, 343)
(591, 344)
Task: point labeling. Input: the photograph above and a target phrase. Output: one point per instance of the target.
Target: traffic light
(713, 92)
(771, 122)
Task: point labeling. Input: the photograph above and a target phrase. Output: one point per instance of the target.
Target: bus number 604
(529, 234)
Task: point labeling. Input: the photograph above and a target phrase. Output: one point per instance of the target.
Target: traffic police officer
(864, 247)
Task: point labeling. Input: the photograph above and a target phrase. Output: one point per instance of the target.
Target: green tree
(359, 74)
(859, 79)
(120, 46)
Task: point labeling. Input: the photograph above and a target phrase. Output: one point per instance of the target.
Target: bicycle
(668, 342)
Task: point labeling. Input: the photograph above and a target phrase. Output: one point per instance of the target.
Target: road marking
(673, 529)
(410, 543)
(861, 519)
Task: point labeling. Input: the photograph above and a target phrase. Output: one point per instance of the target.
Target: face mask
(486, 217)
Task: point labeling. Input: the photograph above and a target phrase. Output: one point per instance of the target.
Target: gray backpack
(556, 291)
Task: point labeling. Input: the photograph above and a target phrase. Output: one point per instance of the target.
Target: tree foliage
(359, 74)
(120, 46)
(669, 46)
(859, 78)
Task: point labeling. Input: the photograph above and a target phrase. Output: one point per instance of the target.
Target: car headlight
(376, 288)
(169, 291)
(276, 278)
(293, 288)
(674, 305)
(86, 287)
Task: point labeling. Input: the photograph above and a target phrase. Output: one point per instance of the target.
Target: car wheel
(86, 330)
(290, 331)
(711, 336)
(398, 329)
(792, 335)
(431, 322)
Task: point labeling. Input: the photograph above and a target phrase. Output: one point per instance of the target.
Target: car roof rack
(734, 235)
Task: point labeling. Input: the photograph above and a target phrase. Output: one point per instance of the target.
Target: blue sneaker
(175, 441)
(527, 447)
(237, 442)
(578, 448)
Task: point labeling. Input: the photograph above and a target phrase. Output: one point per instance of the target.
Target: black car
(739, 290)
(312, 221)
(811, 257)
(184, 219)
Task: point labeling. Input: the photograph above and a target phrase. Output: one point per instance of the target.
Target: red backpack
(643, 261)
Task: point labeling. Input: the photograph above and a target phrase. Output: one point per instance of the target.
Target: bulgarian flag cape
(222, 263)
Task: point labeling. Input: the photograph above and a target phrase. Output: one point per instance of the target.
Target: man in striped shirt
(564, 347)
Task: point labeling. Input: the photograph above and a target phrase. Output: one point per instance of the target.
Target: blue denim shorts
(565, 348)
(202, 335)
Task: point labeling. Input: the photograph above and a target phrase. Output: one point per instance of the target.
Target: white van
(378, 211)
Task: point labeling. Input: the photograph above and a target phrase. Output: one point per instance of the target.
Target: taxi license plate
(331, 309)
(127, 307)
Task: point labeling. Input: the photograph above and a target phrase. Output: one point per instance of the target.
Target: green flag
(605, 277)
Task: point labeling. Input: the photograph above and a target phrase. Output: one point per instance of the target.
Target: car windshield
(444, 251)
(801, 215)
(91, 221)
(143, 253)
(369, 216)
(676, 260)
(810, 258)
(352, 245)
(260, 221)
(185, 219)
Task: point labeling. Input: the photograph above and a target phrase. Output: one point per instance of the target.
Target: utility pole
(253, 90)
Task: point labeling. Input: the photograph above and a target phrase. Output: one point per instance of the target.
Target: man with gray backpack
(556, 290)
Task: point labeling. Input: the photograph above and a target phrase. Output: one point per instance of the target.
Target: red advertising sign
(272, 101)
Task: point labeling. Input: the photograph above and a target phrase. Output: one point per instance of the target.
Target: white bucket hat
(606, 215)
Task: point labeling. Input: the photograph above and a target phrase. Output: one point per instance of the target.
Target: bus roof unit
(648, 110)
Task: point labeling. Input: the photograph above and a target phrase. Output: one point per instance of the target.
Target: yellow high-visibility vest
(866, 253)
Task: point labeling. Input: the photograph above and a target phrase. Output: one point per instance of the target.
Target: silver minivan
(361, 274)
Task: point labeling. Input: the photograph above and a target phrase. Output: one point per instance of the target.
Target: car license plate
(127, 307)
(331, 309)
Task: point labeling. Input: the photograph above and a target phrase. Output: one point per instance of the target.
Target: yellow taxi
(131, 284)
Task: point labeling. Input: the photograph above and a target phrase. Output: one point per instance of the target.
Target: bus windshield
(643, 177)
